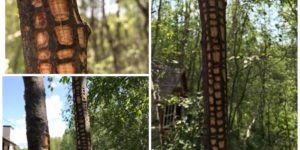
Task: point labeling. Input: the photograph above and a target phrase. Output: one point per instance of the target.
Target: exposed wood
(214, 72)
(51, 27)
(82, 121)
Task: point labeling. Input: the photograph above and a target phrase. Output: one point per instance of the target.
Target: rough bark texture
(36, 116)
(82, 121)
(54, 37)
(214, 72)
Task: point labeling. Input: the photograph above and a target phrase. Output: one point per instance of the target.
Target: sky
(110, 7)
(14, 108)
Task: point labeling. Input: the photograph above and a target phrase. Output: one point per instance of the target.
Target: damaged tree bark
(214, 72)
(36, 116)
(82, 121)
(54, 37)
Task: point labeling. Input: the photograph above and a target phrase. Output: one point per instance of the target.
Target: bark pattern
(214, 72)
(82, 122)
(54, 37)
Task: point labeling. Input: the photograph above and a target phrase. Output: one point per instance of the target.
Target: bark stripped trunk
(54, 37)
(214, 72)
(82, 121)
(36, 116)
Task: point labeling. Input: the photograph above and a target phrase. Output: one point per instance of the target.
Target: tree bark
(54, 37)
(36, 116)
(214, 72)
(82, 121)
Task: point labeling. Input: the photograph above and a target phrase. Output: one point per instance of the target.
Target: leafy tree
(55, 143)
(118, 109)
(68, 140)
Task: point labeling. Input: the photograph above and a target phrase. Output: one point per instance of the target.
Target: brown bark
(54, 37)
(36, 116)
(82, 121)
(214, 72)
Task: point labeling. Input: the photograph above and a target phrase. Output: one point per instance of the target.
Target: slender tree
(214, 72)
(54, 37)
(36, 116)
(144, 9)
(156, 32)
(82, 121)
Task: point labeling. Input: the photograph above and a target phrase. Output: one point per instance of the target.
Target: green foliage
(18, 148)
(187, 131)
(119, 112)
(55, 143)
(118, 109)
(68, 140)
(13, 57)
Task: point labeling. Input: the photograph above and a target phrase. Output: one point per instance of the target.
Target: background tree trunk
(214, 72)
(156, 32)
(54, 37)
(36, 116)
(82, 121)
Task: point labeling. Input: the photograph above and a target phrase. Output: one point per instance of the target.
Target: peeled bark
(54, 37)
(36, 116)
(214, 72)
(82, 121)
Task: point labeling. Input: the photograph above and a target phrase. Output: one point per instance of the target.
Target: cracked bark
(82, 121)
(54, 37)
(214, 72)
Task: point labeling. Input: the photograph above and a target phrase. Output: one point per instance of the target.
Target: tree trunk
(144, 9)
(36, 116)
(156, 32)
(113, 43)
(82, 121)
(117, 46)
(54, 37)
(214, 72)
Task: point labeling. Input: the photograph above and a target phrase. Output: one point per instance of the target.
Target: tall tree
(82, 121)
(156, 32)
(214, 72)
(54, 37)
(36, 116)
